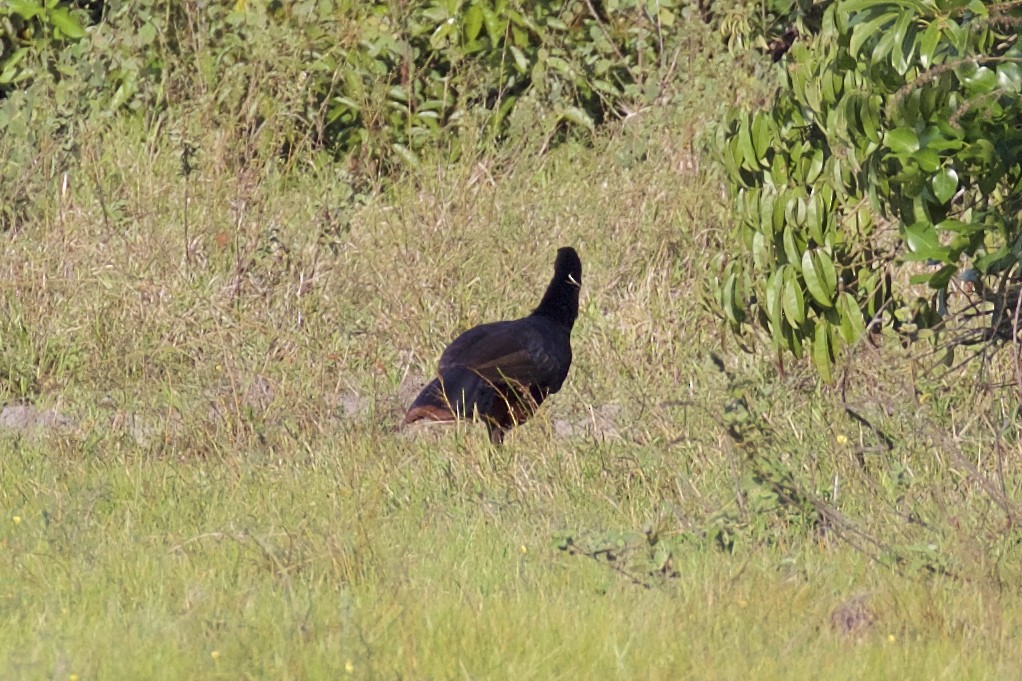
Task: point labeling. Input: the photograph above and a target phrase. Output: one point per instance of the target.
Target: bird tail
(455, 394)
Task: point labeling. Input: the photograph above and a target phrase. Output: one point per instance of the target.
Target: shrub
(890, 157)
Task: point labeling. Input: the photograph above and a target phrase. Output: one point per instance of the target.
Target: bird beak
(573, 280)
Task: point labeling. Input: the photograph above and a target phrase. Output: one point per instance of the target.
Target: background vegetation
(237, 236)
(892, 140)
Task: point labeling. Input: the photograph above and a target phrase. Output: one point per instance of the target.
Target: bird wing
(528, 351)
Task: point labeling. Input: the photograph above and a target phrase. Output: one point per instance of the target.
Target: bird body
(503, 371)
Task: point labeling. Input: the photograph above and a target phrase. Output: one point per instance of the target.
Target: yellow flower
(842, 440)
(349, 667)
(890, 638)
(524, 549)
(215, 654)
(72, 677)
(16, 519)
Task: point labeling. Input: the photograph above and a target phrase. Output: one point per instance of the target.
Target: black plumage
(503, 371)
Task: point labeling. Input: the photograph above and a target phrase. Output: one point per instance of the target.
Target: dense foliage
(377, 80)
(890, 157)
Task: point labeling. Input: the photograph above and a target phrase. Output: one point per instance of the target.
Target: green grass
(150, 568)
(235, 500)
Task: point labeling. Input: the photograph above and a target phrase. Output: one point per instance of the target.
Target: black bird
(503, 371)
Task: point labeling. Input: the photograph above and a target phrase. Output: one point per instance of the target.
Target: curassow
(503, 371)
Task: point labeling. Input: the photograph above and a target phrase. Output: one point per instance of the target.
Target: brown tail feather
(428, 412)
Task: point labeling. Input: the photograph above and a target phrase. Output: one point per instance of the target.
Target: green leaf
(826, 194)
(902, 140)
(959, 227)
(407, 155)
(773, 294)
(792, 302)
(124, 92)
(901, 55)
(928, 44)
(869, 114)
(928, 160)
(823, 359)
(26, 9)
(502, 111)
(825, 268)
(766, 210)
(732, 156)
(557, 24)
(794, 340)
(10, 70)
(945, 184)
(751, 160)
(940, 137)
(815, 282)
(921, 237)
(978, 81)
(993, 263)
(66, 24)
(575, 115)
(957, 35)
(778, 221)
(978, 8)
(441, 35)
(852, 325)
(473, 23)
(922, 241)
(800, 217)
(815, 167)
(942, 277)
(816, 218)
(606, 87)
(881, 56)
(760, 136)
(520, 37)
(830, 87)
(1009, 77)
(147, 33)
(521, 63)
(560, 65)
(869, 29)
(494, 26)
(792, 251)
(762, 254)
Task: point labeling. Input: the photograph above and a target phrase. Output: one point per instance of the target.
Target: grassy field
(221, 490)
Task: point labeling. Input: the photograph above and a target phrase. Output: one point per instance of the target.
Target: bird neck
(560, 303)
